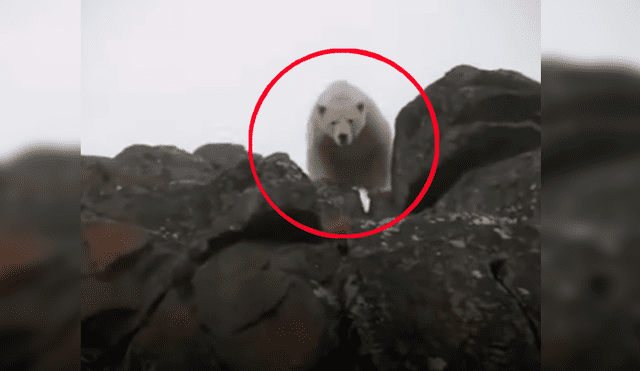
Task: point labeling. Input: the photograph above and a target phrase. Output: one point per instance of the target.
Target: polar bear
(349, 140)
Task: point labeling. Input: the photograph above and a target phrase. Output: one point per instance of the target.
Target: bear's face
(342, 120)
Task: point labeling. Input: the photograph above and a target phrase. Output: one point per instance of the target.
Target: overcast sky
(592, 30)
(189, 73)
(39, 73)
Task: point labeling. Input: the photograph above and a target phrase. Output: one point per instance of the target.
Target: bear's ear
(321, 110)
(360, 107)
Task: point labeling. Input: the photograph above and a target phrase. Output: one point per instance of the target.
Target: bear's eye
(351, 121)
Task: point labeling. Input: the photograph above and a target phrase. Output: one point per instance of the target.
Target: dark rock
(237, 202)
(40, 260)
(510, 187)
(209, 276)
(224, 202)
(422, 289)
(223, 155)
(590, 162)
(339, 208)
(262, 315)
(158, 166)
(591, 115)
(483, 117)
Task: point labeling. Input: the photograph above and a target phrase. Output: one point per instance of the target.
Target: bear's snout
(342, 139)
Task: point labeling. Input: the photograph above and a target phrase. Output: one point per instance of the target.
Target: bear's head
(342, 119)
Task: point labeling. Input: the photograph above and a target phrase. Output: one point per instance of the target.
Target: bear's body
(349, 140)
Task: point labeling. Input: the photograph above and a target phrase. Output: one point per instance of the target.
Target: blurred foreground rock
(591, 162)
(40, 260)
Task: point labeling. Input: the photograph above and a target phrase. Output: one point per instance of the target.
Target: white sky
(592, 29)
(189, 73)
(39, 73)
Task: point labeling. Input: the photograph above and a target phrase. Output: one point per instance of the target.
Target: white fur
(347, 110)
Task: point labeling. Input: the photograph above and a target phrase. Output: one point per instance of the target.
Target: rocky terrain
(185, 266)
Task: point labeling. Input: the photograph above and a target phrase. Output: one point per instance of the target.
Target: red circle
(435, 131)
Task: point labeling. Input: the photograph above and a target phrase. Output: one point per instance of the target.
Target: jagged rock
(225, 203)
(483, 117)
(339, 208)
(172, 340)
(236, 200)
(460, 290)
(223, 155)
(158, 166)
(260, 316)
(118, 300)
(510, 187)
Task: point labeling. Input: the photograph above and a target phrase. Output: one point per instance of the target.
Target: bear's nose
(342, 138)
